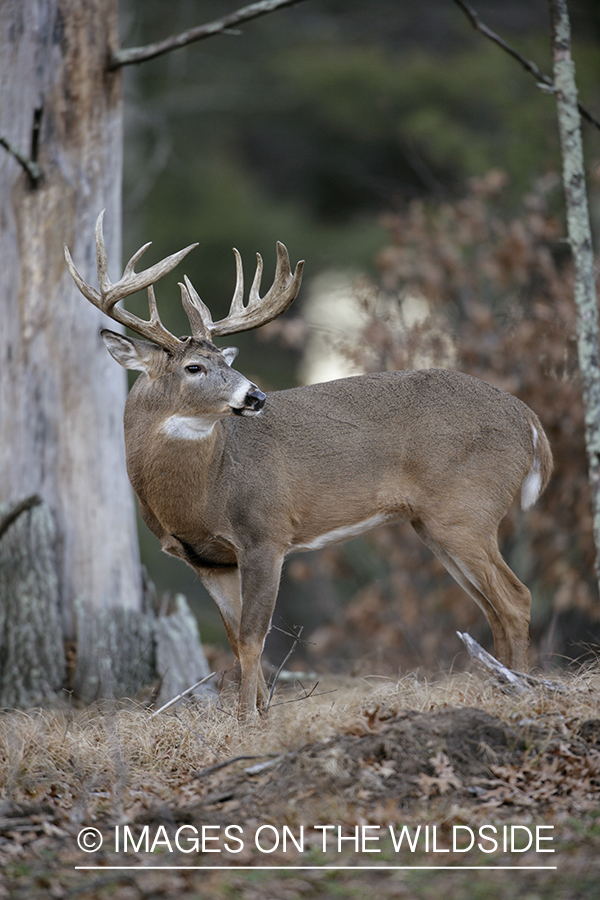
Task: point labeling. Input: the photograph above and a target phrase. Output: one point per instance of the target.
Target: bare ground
(327, 781)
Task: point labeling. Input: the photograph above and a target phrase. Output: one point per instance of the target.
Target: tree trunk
(580, 239)
(31, 647)
(61, 395)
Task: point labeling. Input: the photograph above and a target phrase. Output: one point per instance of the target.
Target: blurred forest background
(415, 167)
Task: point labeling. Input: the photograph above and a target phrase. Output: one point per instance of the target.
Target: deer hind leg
(476, 564)
(224, 586)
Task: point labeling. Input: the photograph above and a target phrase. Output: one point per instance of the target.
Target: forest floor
(411, 788)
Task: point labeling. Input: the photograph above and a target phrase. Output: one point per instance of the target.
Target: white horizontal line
(294, 868)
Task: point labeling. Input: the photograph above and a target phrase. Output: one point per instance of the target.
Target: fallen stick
(520, 682)
(183, 694)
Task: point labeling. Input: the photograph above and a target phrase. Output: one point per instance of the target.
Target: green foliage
(463, 111)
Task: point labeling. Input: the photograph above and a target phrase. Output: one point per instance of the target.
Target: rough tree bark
(580, 239)
(29, 611)
(61, 395)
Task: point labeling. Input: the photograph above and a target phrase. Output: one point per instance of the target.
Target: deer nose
(255, 399)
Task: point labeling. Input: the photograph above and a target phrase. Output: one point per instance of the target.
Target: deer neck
(198, 428)
(157, 442)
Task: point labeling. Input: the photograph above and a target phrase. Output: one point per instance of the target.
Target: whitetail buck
(232, 481)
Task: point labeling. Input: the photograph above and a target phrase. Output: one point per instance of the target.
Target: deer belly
(343, 533)
(204, 554)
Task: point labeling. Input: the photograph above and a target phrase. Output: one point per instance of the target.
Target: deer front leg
(224, 587)
(260, 571)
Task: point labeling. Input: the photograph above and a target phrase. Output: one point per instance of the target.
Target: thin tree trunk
(580, 239)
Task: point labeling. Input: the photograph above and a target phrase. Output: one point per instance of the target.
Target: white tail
(232, 487)
(533, 483)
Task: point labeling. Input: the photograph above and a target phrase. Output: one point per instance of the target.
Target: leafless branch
(230, 762)
(544, 81)
(19, 508)
(520, 682)
(290, 632)
(29, 165)
(296, 636)
(130, 56)
(183, 694)
(306, 695)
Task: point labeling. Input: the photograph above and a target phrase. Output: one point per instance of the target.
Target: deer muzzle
(255, 400)
(253, 403)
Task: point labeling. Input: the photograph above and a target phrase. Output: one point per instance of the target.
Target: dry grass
(114, 760)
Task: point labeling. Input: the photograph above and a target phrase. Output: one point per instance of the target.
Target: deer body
(232, 487)
(330, 456)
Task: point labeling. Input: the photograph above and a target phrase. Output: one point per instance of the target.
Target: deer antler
(130, 282)
(258, 311)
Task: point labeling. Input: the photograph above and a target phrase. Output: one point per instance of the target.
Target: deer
(231, 480)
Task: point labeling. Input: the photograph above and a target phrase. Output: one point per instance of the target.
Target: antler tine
(259, 310)
(154, 320)
(128, 270)
(101, 259)
(86, 289)
(129, 283)
(237, 303)
(253, 296)
(196, 310)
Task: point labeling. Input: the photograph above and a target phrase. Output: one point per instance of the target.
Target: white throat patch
(188, 428)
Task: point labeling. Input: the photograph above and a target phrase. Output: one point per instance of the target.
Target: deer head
(193, 366)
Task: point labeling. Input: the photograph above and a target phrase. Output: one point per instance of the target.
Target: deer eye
(196, 369)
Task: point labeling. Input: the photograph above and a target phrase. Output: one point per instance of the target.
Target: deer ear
(131, 353)
(230, 354)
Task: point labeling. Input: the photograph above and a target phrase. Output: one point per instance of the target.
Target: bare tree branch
(519, 682)
(19, 508)
(132, 55)
(544, 81)
(291, 650)
(182, 694)
(31, 166)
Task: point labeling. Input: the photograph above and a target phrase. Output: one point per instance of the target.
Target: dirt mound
(461, 756)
